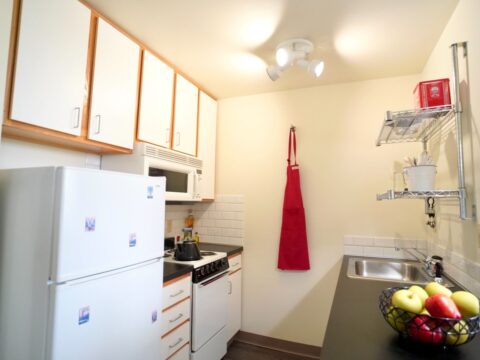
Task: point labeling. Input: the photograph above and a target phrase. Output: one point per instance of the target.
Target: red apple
(440, 305)
(425, 329)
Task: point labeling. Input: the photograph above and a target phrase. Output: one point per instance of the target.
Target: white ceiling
(225, 45)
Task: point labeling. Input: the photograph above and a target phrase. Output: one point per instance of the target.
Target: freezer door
(115, 316)
(105, 220)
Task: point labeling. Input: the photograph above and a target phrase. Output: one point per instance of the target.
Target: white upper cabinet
(185, 118)
(207, 133)
(156, 101)
(50, 72)
(114, 89)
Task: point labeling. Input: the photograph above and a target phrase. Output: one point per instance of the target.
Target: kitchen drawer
(235, 263)
(176, 291)
(175, 340)
(175, 316)
(181, 354)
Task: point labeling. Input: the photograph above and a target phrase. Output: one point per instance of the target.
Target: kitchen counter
(356, 328)
(229, 249)
(174, 270)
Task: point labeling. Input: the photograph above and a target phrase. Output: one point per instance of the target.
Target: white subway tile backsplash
(353, 250)
(384, 241)
(372, 251)
(349, 240)
(363, 241)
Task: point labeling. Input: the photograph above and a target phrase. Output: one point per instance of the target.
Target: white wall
(341, 171)
(453, 238)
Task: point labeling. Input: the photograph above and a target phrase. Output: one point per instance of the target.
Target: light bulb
(273, 72)
(316, 67)
(282, 57)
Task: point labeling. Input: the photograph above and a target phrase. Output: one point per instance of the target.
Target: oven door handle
(213, 279)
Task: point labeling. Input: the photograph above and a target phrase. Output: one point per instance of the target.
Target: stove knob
(202, 271)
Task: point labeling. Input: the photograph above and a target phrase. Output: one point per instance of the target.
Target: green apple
(459, 334)
(434, 288)
(425, 312)
(407, 300)
(397, 318)
(467, 303)
(420, 292)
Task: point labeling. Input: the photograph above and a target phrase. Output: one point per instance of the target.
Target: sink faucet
(432, 264)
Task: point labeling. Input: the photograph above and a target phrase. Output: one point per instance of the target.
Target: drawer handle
(176, 343)
(176, 319)
(236, 264)
(177, 293)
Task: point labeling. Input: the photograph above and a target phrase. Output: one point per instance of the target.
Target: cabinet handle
(230, 287)
(177, 293)
(176, 319)
(236, 264)
(77, 117)
(99, 119)
(176, 343)
(177, 136)
(167, 135)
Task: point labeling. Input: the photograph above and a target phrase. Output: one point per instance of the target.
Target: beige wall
(459, 237)
(341, 172)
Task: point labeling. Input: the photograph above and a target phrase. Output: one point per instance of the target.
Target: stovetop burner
(207, 253)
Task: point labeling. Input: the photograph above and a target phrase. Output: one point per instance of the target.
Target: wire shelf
(439, 194)
(416, 125)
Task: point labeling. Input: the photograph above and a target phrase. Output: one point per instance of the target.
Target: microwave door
(179, 184)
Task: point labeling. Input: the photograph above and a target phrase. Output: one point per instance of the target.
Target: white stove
(209, 304)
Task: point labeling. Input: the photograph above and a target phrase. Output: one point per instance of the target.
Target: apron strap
(292, 139)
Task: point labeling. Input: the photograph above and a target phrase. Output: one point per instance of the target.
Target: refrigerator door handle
(106, 273)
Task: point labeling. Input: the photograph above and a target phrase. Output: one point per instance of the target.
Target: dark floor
(242, 351)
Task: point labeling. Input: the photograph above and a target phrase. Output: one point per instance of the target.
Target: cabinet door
(234, 304)
(207, 133)
(185, 122)
(49, 84)
(114, 90)
(156, 101)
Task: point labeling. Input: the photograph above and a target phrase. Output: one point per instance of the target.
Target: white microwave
(183, 173)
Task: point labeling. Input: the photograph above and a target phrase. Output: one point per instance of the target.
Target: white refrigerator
(81, 271)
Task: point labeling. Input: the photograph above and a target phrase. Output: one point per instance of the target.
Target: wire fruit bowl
(425, 328)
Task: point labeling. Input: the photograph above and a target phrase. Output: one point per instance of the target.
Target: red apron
(293, 250)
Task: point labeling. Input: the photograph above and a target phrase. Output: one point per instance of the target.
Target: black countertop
(229, 249)
(174, 270)
(357, 330)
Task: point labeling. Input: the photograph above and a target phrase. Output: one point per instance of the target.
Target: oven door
(209, 309)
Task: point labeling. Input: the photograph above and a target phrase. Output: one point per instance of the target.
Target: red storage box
(432, 93)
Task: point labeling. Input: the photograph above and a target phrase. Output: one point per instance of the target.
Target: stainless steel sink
(402, 271)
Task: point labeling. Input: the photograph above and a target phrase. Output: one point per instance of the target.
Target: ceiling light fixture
(294, 52)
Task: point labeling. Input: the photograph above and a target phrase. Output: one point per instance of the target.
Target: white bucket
(420, 178)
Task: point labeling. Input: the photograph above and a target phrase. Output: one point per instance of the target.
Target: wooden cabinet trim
(181, 277)
(175, 328)
(142, 45)
(172, 121)
(234, 255)
(139, 92)
(18, 130)
(233, 272)
(177, 351)
(12, 56)
(175, 304)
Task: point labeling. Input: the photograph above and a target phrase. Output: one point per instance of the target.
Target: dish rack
(421, 125)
